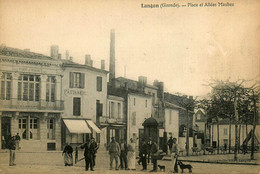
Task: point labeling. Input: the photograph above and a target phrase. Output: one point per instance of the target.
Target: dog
(162, 168)
(184, 166)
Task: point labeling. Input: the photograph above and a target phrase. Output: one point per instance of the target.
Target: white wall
(88, 95)
(141, 111)
(172, 122)
(223, 136)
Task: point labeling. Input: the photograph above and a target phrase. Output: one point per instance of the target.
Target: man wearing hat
(114, 152)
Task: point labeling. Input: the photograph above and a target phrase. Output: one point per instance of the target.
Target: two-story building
(31, 102)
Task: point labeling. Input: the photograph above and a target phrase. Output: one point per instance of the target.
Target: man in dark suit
(143, 154)
(89, 154)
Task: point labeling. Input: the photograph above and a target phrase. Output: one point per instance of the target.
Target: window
(51, 129)
(119, 110)
(50, 89)
(153, 98)
(146, 103)
(33, 128)
(23, 127)
(29, 87)
(225, 131)
(99, 83)
(133, 118)
(198, 117)
(170, 117)
(76, 106)
(112, 110)
(134, 101)
(77, 80)
(6, 86)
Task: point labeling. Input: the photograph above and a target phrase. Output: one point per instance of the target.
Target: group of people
(90, 150)
(148, 149)
(123, 151)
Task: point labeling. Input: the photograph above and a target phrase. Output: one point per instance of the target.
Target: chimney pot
(103, 64)
(67, 55)
(88, 60)
(55, 51)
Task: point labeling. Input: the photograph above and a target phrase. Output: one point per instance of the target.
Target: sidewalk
(220, 159)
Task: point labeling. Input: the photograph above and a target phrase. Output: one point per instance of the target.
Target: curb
(215, 162)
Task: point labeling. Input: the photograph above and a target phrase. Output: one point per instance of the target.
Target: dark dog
(184, 166)
(162, 168)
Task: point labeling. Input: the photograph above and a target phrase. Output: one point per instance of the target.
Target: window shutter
(100, 112)
(76, 106)
(99, 83)
(82, 80)
(71, 79)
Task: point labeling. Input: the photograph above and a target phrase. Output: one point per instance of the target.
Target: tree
(230, 100)
(188, 104)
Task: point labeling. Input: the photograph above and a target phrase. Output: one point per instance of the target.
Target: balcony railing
(107, 120)
(58, 105)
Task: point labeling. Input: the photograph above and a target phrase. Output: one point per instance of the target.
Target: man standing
(169, 143)
(114, 152)
(88, 153)
(174, 155)
(94, 146)
(12, 147)
(154, 155)
(123, 155)
(143, 154)
(149, 146)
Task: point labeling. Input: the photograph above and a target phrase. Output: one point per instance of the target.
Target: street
(44, 162)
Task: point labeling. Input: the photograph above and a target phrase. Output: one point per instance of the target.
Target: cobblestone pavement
(52, 162)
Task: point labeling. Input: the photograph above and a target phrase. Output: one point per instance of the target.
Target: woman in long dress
(68, 158)
(131, 155)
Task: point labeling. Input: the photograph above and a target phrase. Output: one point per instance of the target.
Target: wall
(141, 111)
(174, 126)
(223, 136)
(88, 95)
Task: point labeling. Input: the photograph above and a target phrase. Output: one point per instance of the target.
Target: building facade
(31, 103)
(85, 95)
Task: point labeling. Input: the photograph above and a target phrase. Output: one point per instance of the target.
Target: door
(5, 129)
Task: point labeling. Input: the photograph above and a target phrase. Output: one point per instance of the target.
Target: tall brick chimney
(55, 51)
(112, 72)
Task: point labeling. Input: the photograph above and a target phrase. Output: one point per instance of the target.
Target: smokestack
(112, 56)
(88, 60)
(55, 51)
(67, 54)
(103, 64)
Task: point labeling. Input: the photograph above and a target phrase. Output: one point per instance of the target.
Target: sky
(184, 47)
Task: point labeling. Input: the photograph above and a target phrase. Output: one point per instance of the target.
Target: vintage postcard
(129, 86)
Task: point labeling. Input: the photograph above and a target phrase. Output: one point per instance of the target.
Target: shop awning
(93, 126)
(77, 126)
